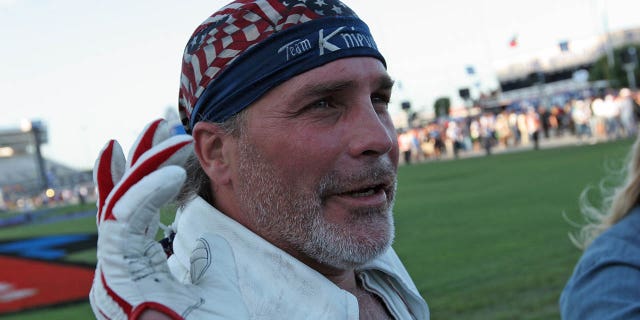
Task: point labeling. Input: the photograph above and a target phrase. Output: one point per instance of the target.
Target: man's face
(318, 161)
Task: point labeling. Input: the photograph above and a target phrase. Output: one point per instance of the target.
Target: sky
(99, 70)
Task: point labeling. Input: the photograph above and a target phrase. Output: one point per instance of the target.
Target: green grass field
(483, 238)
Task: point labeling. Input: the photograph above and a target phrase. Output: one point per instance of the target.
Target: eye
(380, 101)
(319, 104)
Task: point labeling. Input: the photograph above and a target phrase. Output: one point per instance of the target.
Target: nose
(372, 132)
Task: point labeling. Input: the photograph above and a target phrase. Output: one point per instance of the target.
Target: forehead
(362, 72)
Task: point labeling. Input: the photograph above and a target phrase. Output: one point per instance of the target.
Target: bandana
(249, 47)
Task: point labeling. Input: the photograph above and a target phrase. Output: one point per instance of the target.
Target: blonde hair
(617, 201)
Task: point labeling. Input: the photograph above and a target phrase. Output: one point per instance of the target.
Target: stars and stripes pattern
(226, 34)
(321, 7)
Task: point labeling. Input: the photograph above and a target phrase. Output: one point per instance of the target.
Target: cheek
(304, 157)
(309, 154)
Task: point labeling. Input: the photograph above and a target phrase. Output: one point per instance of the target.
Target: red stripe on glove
(104, 315)
(137, 312)
(145, 168)
(126, 307)
(104, 176)
(146, 142)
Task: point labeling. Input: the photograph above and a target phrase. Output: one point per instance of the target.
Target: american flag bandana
(250, 46)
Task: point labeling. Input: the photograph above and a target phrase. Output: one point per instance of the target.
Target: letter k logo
(323, 42)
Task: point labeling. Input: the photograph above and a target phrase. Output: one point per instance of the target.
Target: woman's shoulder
(620, 243)
(605, 280)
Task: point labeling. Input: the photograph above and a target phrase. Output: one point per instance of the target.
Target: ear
(212, 147)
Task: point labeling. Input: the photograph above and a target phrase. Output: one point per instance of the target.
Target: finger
(172, 151)
(108, 170)
(140, 205)
(154, 133)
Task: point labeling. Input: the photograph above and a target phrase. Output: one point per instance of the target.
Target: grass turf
(483, 238)
(486, 238)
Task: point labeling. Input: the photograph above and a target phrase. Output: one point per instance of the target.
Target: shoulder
(604, 284)
(620, 242)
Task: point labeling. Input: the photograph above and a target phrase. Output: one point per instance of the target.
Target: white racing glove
(132, 274)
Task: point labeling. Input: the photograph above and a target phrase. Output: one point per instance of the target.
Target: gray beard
(286, 214)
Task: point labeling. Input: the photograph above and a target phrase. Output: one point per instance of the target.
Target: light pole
(406, 106)
(39, 134)
(630, 59)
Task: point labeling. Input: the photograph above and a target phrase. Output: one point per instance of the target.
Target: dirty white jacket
(275, 285)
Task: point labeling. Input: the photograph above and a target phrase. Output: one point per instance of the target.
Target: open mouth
(365, 192)
(370, 193)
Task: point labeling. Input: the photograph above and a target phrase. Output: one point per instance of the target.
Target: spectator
(605, 281)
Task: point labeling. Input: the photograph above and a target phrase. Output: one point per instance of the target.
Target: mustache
(377, 174)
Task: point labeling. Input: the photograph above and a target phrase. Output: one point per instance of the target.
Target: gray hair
(197, 182)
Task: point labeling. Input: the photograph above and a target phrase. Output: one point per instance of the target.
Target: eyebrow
(321, 89)
(313, 90)
(385, 82)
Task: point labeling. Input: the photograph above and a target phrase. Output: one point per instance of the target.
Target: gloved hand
(132, 274)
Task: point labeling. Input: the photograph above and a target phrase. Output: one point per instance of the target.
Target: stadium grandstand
(544, 77)
(29, 180)
(560, 72)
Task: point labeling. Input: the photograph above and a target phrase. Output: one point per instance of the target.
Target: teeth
(368, 192)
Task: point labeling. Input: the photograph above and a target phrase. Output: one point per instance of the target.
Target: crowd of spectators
(609, 116)
(590, 119)
(77, 188)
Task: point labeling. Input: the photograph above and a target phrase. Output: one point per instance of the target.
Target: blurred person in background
(533, 127)
(487, 123)
(627, 113)
(405, 142)
(581, 115)
(548, 119)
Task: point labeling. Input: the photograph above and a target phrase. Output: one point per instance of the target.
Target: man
(286, 209)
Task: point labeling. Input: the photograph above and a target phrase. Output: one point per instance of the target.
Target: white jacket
(275, 285)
